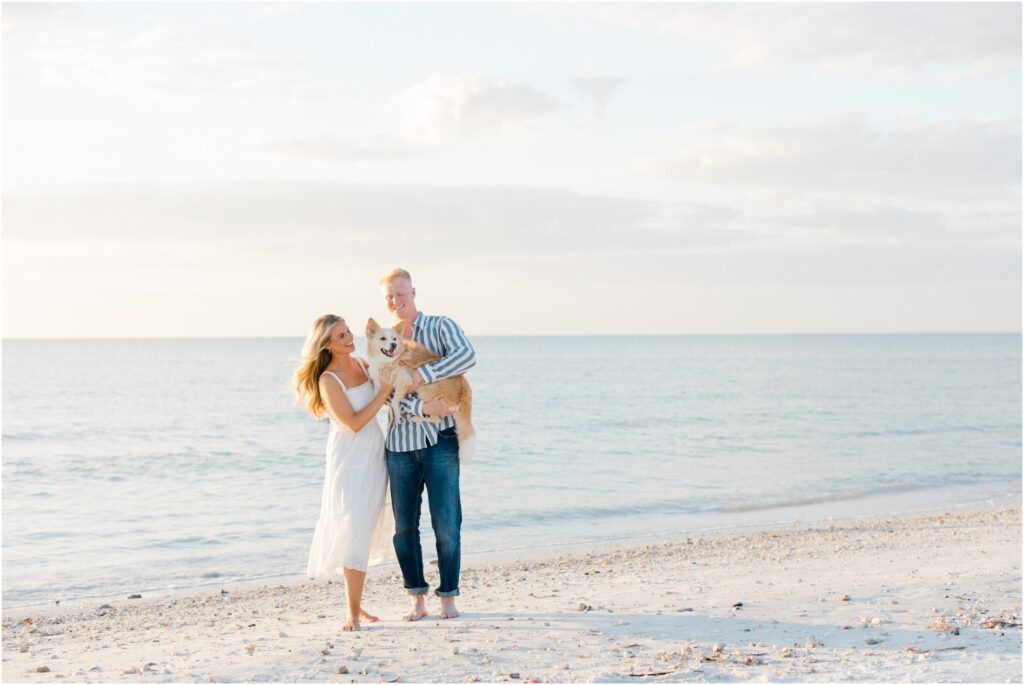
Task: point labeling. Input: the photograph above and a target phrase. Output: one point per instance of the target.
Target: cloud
(469, 105)
(276, 10)
(599, 89)
(311, 221)
(988, 225)
(331, 148)
(306, 222)
(17, 16)
(161, 64)
(885, 225)
(848, 155)
(264, 258)
(442, 109)
(980, 38)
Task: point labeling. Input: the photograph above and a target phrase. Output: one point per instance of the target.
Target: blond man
(426, 454)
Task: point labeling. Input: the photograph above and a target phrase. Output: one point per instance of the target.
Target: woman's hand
(387, 379)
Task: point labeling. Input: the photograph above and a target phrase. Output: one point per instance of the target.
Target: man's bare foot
(367, 616)
(418, 611)
(351, 624)
(448, 609)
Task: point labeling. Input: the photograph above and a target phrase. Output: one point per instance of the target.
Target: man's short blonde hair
(394, 275)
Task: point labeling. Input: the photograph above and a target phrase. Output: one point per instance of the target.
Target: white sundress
(356, 525)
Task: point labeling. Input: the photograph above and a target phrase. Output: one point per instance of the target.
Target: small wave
(889, 432)
(802, 501)
(184, 541)
(51, 535)
(529, 517)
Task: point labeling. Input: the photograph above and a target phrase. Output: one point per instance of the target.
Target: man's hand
(436, 407)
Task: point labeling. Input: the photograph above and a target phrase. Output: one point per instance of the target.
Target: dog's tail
(464, 427)
(467, 448)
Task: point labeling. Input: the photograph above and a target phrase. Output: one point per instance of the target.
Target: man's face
(400, 297)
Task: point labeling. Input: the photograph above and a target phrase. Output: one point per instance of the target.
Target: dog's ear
(398, 328)
(372, 327)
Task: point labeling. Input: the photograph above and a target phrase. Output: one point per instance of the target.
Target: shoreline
(703, 524)
(610, 613)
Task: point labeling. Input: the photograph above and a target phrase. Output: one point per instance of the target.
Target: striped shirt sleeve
(457, 355)
(411, 405)
(442, 336)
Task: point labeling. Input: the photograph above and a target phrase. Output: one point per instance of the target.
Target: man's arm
(457, 357)
(412, 405)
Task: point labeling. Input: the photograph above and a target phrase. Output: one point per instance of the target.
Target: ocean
(152, 465)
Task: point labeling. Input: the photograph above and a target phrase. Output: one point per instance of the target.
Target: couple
(354, 523)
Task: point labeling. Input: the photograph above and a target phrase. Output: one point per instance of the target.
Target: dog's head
(383, 343)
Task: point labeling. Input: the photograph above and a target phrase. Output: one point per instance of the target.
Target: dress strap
(362, 365)
(335, 376)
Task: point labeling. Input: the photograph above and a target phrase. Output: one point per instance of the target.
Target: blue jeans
(437, 468)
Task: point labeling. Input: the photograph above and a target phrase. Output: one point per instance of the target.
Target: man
(421, 453)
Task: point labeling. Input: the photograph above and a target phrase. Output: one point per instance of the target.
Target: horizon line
(516, 335)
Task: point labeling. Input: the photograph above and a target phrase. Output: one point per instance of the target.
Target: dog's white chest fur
(402, 380)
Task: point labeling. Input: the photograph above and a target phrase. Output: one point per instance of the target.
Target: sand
(921, 597)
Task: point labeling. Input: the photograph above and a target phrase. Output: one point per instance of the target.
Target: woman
(355, 527)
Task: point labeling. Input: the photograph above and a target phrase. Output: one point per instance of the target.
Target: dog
(386, 347)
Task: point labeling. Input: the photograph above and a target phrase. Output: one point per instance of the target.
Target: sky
(237, 169)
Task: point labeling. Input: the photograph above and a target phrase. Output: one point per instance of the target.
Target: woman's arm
(341, 409)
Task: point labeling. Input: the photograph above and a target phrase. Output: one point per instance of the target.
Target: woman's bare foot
(351, 624)
(448, 609)
(418, 611)
(367, 616)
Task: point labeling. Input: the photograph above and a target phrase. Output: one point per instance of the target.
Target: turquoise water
(140, 465)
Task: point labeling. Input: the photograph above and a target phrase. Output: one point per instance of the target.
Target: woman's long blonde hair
(315, 358)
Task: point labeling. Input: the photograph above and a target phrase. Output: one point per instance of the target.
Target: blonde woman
(355, 525)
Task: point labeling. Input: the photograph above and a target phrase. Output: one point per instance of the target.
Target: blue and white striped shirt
(442, 336)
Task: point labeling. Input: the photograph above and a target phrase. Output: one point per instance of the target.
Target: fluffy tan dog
(385, 348)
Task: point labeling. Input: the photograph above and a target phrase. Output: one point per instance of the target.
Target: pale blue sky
(238, 169)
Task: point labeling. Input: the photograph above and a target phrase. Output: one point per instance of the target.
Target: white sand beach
(920, 597)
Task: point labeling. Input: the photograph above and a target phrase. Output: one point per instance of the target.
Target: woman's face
(342, 341)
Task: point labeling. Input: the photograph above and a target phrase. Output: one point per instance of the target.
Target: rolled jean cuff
(452, 593)
(417, 590)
